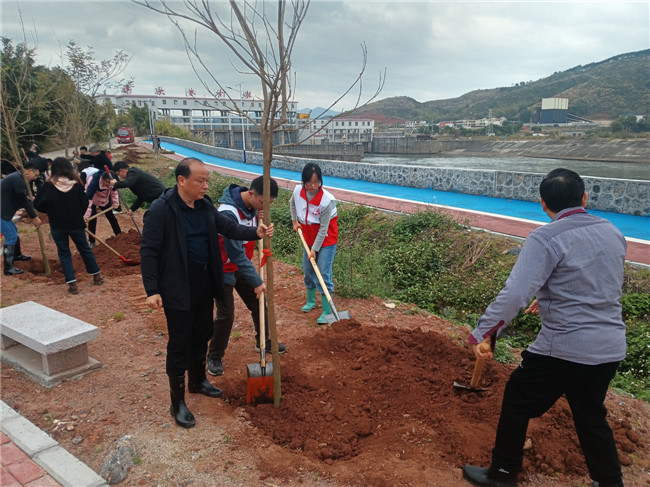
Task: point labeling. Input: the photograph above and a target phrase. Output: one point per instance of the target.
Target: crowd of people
(72, 193)
(195, 255)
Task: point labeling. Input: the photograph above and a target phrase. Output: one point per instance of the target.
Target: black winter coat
(145, 186)
(164, 250)
(65, 209)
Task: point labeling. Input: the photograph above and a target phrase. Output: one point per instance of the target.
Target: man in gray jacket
(244, 206)
(573, 266)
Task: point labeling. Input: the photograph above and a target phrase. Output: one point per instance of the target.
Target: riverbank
(616, 150)
(621, 196)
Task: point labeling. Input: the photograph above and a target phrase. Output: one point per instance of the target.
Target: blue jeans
(78, 236)
(324, 260)
(10, 232)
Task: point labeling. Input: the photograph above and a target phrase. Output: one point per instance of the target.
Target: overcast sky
(431, 50)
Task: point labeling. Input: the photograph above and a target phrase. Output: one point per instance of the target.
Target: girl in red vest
(313, 209)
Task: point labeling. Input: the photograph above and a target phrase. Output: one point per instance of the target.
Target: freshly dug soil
(365, 402)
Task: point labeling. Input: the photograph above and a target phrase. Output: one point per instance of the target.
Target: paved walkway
(32, 458)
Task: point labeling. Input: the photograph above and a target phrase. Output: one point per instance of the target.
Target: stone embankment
(634, 150)
(626, 196)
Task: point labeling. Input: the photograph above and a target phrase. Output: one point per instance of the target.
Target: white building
(211, 117)
(329, 130)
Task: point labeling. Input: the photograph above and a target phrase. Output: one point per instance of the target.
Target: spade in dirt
(124, 259)
(259, 376)
(478, 369)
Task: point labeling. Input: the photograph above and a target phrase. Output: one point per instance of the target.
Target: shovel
(126, 261)
(119, 195)
(336, 315)
(259, 377)
(99, 214)
(478, 369)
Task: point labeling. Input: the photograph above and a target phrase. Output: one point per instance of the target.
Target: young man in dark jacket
(182, 272)
(14, 197)
(242, 205)
(146, 187)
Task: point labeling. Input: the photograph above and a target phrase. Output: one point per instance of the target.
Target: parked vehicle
(125, 135)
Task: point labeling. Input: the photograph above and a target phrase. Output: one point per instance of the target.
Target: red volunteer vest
(249, 246)
(309, 215)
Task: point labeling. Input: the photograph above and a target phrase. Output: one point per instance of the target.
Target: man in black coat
(182, 272)
(98, 158)
(146, 187)
(14, 197)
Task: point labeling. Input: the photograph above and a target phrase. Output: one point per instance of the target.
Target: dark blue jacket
(14, 196)
(164, 250)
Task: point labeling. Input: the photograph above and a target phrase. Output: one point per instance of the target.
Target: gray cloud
(431, 50)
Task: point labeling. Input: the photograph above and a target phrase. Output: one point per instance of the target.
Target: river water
(617, 170)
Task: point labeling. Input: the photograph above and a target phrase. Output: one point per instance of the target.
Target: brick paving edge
(59, 463)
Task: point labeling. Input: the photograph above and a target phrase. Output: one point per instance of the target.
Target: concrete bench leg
(65, 359)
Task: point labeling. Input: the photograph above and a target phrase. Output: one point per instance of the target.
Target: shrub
(635, 305)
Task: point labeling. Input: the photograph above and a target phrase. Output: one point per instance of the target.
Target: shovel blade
(343, 315)
(259, 383)
(458, 385)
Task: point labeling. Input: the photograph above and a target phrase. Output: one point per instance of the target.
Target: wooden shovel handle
(315, 266)
(478, 370)
(478, 367)
(262, 314)
(102, 242)
(100, 213)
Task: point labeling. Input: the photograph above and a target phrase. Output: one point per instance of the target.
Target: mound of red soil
(353, 389)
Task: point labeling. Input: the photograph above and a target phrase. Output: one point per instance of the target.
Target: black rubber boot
(490, 476)
(9, 268)
(18, 255)
(181, 414)
(198, 383)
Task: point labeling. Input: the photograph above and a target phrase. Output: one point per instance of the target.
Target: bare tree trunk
(9, 130)
(267, 148)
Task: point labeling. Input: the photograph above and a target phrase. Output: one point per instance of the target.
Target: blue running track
(637, 227)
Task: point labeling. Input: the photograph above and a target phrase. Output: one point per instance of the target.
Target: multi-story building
(328, 130)
(214, 118)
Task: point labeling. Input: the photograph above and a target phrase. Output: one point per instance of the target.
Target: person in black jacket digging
(182, 272)
(14, 197)
(146, 187)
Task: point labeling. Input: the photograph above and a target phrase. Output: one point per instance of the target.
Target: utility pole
(241, 114)
(489, 128)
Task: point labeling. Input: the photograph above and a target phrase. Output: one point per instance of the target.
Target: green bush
(635, 305)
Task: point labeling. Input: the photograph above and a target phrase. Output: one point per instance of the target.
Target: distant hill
(318, 112)
(603, 90)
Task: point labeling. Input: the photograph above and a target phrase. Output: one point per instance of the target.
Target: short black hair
(30, 165)
(257, 185)
(309, 170)
(119, 165)
(561, 189)
(83, 147)
(183, 168)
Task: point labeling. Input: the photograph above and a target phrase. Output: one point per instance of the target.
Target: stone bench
(47, 345)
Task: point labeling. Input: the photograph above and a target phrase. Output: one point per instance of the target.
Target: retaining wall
(625, 196)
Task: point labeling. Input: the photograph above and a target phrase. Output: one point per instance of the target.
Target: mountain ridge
(606, 89)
